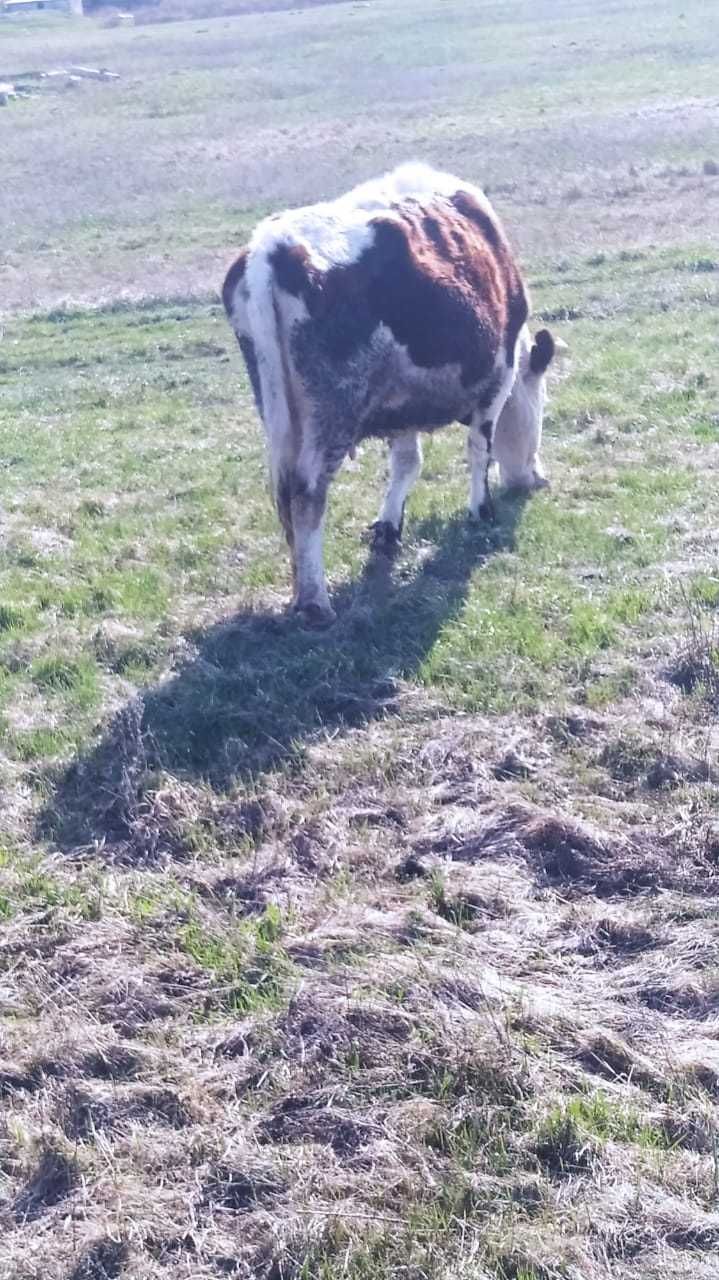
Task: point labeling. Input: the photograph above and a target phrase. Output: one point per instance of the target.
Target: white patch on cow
(332, 236)
(269, 343)
(519, 430)
(411, 181)
(238, 311)
(478, 459)
(309, 461)
(335, 233)
(260, 314)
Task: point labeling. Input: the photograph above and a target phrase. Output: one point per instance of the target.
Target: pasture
(392, 952)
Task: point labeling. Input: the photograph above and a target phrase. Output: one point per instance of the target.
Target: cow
(393, 310)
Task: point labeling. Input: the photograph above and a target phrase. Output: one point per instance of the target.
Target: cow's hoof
(316, 616)
(384, 538)
(485, 514)
(531, 483)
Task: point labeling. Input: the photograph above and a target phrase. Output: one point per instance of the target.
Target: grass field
(390, 953)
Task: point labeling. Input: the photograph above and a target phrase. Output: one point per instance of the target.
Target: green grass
(568, 1138)
(72, 679)
(136, 537)
(252, 973)
(30, 889)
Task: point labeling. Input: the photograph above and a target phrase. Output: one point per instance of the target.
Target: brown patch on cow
(294, 272)
(517, 300)
(439, 275)
(542, 353)
(441, 283)
(465, 203)
(233, 278)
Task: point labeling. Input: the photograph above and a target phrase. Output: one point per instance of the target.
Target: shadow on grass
(259, 685)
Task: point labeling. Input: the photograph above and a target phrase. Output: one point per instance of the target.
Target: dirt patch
(563, 851)
(114, 1062)
(242, 1189)
(618, 938)
(300, 1120)
(13, 1081)
(686, 997)
(250, 895)
(103, 1260)
(632, 760)
(53, 1179)
(179, 10)
(607, 1056)
(132, 1005)
(83, 1115)
(562, 1150)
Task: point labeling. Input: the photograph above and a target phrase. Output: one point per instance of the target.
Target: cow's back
(400, 303)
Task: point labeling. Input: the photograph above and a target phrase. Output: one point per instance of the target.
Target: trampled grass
(389, 952)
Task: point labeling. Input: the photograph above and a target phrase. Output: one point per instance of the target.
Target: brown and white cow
(395, 309)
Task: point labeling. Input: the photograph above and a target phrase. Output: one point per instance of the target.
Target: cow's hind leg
(479, 454)
(283, 499)
(405, 466)
(480, 440)
(307, 508)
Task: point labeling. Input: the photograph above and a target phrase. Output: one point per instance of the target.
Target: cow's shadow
(258, 686)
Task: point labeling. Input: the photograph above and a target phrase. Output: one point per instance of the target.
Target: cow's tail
(273, 370)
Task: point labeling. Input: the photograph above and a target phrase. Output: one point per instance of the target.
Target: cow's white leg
(519, 435)
(283, 500)
(480, 443)
(308, 499)
(311, 598)
(405, 461)
(479, 455)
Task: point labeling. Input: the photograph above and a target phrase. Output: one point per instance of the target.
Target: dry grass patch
(311, 1058)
